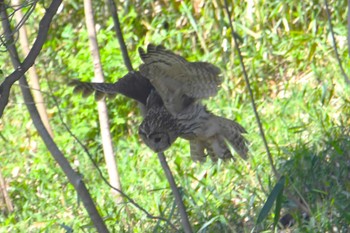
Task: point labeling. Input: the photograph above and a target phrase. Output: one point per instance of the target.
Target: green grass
(300, 94)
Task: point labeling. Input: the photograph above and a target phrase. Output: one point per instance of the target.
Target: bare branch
(178, 199)
(236, 38)
(29, 5)
(74, 178)
(104, 179)
(119, 33)
(32, 55)
(32, 73)
(346, 78)
(301, 204)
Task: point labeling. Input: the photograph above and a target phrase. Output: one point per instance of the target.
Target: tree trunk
(102, 108)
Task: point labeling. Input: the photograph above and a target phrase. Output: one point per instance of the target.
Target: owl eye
(157, 139)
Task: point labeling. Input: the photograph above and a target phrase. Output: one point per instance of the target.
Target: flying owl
(171, 89)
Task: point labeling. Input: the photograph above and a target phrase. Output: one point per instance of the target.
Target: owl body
(159, 129)
(171, 88)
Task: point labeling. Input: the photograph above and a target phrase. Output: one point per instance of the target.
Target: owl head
(156, 138)
(159, 129)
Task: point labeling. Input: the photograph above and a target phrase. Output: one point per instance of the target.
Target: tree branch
(73, 176)
(118, 31)
(32, 73)
(301, 204)
(32, 55)
(346, 78)
(178, 199)
(262, 133)
(106, 137)
(124, 195)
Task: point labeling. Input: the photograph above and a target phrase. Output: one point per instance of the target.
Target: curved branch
(74, 178)
(301, 204)
(44, 26)
(104, 179)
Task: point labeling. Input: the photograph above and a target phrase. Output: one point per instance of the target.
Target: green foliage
(275, 196)
(300, 94)
(321, 173)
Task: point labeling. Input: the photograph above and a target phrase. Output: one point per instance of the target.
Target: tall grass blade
(274, 195)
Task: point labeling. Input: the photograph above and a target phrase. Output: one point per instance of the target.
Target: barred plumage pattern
(171, 88)
(174, 77)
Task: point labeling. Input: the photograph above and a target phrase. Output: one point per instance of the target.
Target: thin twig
(29, 6)
(261, 129)
(301, 204)
(184, 217)
(346, 78)
(119, 33)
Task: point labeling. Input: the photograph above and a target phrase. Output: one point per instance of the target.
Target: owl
(171, 89)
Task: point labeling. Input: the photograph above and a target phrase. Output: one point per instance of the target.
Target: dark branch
(178, 199)
(32, 55)
(28, 6)
(346, 78)
(262, 132)
(119, 33)
(301, 204)
(74, 178)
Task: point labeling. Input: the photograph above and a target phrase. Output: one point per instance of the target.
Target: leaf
(67, 228)
(205, 225)
(278, 205)
(275, 193)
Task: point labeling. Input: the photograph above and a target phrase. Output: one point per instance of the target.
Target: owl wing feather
(175, 78)
(132, 85)
(167, 84)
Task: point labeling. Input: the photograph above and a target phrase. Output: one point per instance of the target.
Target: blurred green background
(301, 96)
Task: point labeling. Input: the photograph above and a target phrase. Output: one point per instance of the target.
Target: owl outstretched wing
(176, 80)
(132, 85)
(168, 86)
